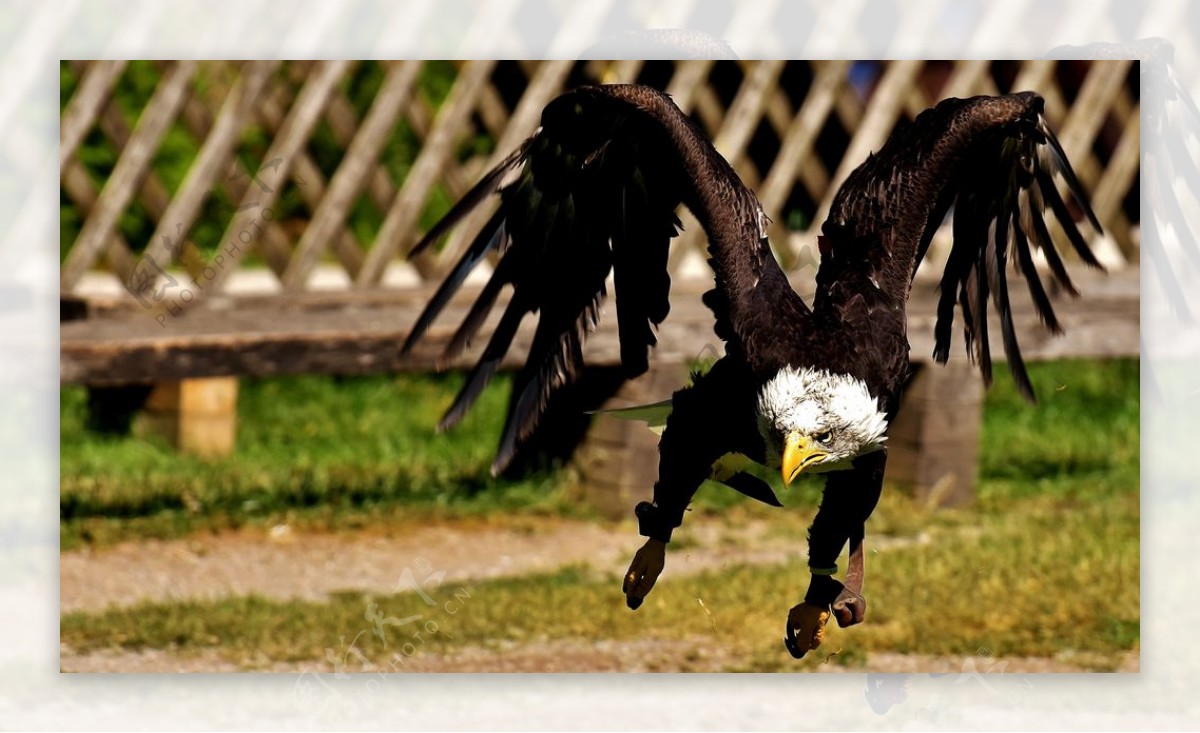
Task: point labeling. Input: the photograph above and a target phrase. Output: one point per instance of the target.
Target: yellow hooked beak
(799, 452)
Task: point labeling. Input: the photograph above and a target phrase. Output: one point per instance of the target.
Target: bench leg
(933, 445)
(198, 416)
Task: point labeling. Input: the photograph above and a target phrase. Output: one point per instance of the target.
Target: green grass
(313, 452)
(1082, 436)
(330, 454)
(1045, 564)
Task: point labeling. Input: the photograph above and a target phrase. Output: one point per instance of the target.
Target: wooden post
(198, 416)
(934, 443)
(617, 464)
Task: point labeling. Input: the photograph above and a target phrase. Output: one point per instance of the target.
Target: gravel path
(285, 564)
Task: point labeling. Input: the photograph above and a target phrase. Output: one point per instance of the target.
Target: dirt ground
(282, 563)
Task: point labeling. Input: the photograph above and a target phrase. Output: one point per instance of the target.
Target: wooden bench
(193, 357)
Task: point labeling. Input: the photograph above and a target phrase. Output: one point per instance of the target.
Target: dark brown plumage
(595, 189)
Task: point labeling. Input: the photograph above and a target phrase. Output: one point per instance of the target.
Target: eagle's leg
(850, 608)
(709, 419)
(849, 498)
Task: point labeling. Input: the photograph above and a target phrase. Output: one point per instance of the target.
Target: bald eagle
(800, 388)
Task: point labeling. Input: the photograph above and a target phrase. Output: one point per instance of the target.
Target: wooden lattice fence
(793, 130)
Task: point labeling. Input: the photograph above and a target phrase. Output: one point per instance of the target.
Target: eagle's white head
(814, 420)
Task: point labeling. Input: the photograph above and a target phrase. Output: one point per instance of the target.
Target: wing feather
(1003, 187)
(487, 186)
(1011, 349)
(1059, 207)
(591, 191)
(1037, 291)
(489, 239)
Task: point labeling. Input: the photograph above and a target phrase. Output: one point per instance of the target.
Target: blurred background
(249, 474)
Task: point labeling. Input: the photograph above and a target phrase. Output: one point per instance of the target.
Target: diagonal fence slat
(310, 183)
(849, 107)
(131, 167)
(288, 141)
(1087, 114)
(1118, 177)
(80, 115)
(152, 194)
(967, 79)
(1083, 121)
(198, 119)
(421, 114)
(79, 188)
(492, 111)
(800, 136)
(343, 123)
(1034, 74)
(352, 173)
(747, 109)
(1097, 97)
(214, 156)
(689, 77)
(397, 228)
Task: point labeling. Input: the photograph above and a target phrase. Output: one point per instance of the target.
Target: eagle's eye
(823, 437)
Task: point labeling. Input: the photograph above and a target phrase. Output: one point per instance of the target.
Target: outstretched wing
(1005, 183)
(594, 189)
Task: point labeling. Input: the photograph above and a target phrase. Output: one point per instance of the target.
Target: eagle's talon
(805, 628)
(850, 608)
(643, 572)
